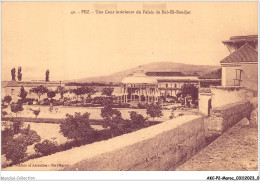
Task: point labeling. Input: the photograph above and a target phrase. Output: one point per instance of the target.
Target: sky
(46, 35)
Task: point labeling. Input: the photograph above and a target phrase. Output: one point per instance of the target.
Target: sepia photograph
(129, 86)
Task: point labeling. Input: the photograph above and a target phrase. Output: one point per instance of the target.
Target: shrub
(136, 122)
(23, 93)
(77, 127)
(107, 91)
(29, 139)
(89, 100)
(154, 110)
(3, 113)
(47, 147)
(141, 106)
(51, 94)
(29, 101)
(45, 102)
(16, 108)
(171, 116)
(104, 134)
(122, 105)
(7, 99)
(30, 136)
(103, 100)
(57, 102)
(17, 126)
(137, 118)
(15, 150)
(6, 135)
(108, 113)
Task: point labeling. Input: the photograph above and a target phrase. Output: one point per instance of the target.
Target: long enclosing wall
(160, 147)
(223, 118)
(222, 96)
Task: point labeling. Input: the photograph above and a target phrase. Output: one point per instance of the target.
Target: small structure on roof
(240, 68)
(236, 42)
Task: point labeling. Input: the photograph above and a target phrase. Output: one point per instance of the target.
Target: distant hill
(186, 69)
(216, 74)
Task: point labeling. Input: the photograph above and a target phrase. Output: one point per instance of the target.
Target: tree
(61, 90)
(89, 91)
(189, 90)
(51, 94)
(108, 113)
(3, 106)
(77, 127)
(16, 108)
(36, 112)
(7, 99)
(137, 118)
(154, 110)
(3, 113)
(26, 137)
(136, 122)
(84, 90)
(113, 120)
(13, 74)
(39, 90)
(47, 75)
(23, 93)
(78, 91)
(107, 91)
(15, 142)
(17, 124)
(19, 74)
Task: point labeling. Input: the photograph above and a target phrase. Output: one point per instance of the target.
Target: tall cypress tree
(19, 73)
(47, 75)
(13, 74)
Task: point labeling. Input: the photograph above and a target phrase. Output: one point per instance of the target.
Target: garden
(75, 130)
(33, 128)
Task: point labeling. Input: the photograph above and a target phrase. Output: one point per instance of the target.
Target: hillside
(186, 69)
(216, 74)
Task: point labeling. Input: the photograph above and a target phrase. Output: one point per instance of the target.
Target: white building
(148, 87)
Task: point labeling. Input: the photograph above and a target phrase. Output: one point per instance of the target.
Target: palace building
(141, 87)
(170, 83)
(138, 87)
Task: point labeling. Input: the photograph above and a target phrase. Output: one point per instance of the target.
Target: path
(235, 150)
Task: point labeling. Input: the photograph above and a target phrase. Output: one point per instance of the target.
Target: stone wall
(227, 95)
(224, 117)
(254, 114)
(205, 103)
(160, 147)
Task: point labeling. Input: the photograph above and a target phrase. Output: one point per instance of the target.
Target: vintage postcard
(129, 86)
